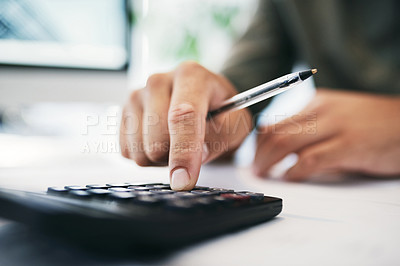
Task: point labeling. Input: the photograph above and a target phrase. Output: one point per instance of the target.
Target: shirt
(354, 44)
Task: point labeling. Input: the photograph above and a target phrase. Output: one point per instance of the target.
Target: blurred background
(67, 66)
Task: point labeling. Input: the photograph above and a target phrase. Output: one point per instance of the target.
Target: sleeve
(263, 53)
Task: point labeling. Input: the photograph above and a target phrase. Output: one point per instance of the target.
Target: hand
(166, 123)
(337, 132)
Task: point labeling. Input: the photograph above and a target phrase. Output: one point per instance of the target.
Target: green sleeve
(263, 53)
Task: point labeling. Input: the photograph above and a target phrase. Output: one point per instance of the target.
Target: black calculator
(126, 215)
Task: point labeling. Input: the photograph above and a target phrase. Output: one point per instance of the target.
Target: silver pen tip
(314, 70)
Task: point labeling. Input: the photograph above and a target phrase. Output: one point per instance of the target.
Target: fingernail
(204, 155)
(180, 179)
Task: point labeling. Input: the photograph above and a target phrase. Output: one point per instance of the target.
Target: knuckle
(157, 156)
(184, 152)
(125, 154)
(189, 67)
(183, 113)
(138, 157)
(193, 73)
(135, 96)
(156, 81)
(125, 111)
(310, 160)
(263, 134)
(157, 151)
(123, 148)
(141, 161)
(123, 119)
(263, 130)
(130, 124)
(280, 141)
(218, 148)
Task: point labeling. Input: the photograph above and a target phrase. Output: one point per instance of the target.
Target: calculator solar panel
(137, 215)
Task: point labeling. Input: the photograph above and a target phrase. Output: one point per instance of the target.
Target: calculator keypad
(158, 194)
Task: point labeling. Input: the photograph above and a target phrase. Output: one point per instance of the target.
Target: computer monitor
(63, 50)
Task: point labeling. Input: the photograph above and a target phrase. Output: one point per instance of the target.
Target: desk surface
(350, 222)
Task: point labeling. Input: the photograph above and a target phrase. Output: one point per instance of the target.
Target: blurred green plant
(223, 17)
(188, 49)
(181, 30)
(220, 16)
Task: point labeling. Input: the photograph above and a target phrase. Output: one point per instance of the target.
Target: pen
(262, 92)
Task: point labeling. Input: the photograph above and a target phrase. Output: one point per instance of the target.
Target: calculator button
(200, 191)
(79, 194)
(162, 191)
(222, 190)
(99, 192)
(76, 187)
(147, 200)
(149, 187)
(57, 190)
(142, 193)
(141, 189)
(201, 188)
(186, 195)
(134, 186)
(125, 185)
(165, 197)
(180, 205)
(120, 189)
(122, 195)
(223, 201)
(160, 187)
(205, 202)
(236, 196)
(205, 193)
(97, 186)
(152, 184)
(253, 196)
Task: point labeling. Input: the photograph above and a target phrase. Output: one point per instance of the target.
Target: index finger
(186, 123)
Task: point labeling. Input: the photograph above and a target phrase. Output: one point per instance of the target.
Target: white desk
(354, 222)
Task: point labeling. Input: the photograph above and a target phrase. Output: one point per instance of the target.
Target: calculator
(126, 215)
